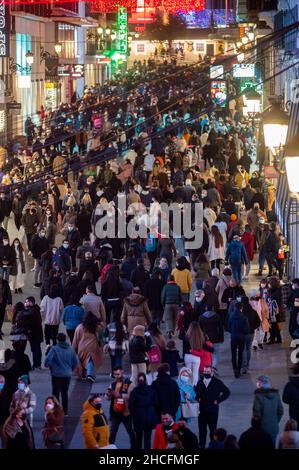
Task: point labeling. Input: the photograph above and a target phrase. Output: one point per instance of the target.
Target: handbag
(190, 409)
(9, 313)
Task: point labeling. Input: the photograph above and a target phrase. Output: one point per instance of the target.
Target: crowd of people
(131, 299)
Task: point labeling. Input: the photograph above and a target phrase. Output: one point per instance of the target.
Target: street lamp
(108, 31)
(100, 30)
(292, 164)
(29, 58)
(14, 68)
(252, 101)
(275, 124)
(58, 48)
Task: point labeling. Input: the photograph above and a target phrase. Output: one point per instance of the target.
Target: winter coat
(152, 291)
(91, 266)
(211, 325)
(51, 310)
(53, 425)
(289, 440)
(74, 239)
(262, 309)
(5, 208)
(252, 317)
(272, 244)
(61, 360)
(139, 277)
(172, 358)
(213, 252)
(275, 297)
(232, 293)
(14, 437)
(137, 350)
(253, 218)
(160, 436)
(222, 284)
(30, 319)
(5, 398)
(30, 222)
(143, 403)
(169, 397)
(39, 246)
(11, 372)
(184, 388)
(171, 294)
(202, 271)
(7, 255)
(14, 269)
(95, 427)
(128, 266)
(290, 396)
(86, 345)
(23, 399)
(135, 312)
(238, 325)
(236, 253)
(183, 278)
(94, 304)
(248, 240)
(73, 316)
(216, 391)
(267, 405)
(255, 439)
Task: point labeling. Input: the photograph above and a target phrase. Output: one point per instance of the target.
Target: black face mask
(181, 428)
(98, 406)
(207, 376)
(23, 417)
(141, 383)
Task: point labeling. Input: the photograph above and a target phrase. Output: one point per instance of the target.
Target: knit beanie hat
(24, 378)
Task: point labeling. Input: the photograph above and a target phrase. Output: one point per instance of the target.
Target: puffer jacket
(135, 312)
(171, 294)
(95, 427)
(267, 405)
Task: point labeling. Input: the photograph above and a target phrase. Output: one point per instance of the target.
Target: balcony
(92, 49)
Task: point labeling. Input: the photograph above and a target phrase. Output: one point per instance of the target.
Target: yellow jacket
(95, 427)
(239, 179)
(184, 279)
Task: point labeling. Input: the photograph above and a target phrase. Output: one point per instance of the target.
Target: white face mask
(184, 378)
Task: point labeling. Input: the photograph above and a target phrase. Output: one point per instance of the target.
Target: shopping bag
(9, 313)
(190, 409)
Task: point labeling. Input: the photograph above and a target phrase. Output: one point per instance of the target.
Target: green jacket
(171, 294)
(267, 405)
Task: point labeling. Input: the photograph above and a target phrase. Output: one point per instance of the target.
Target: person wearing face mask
(95, 427)
(39, 246)
(52, 432)
(210, 392)
(17, 432)
(7, 258)
(73, 238)
(48, 224)
(162, 430)
(186, 388)
(5, 398)
(24, 398)
(62, 259)
(18, 268)
(30, 221)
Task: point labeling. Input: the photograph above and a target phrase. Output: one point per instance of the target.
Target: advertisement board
(219, 92)
(243, 70)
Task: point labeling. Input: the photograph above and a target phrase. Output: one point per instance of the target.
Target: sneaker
(91, 378)
(260, 346)
(36, 286)
(20, 291)
(237, 374)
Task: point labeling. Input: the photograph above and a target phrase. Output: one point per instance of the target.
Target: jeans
(60, 386)
(180, 246)
(29, 238)
(275, 333)
(146, 437)
(199, 284)
(115, 421)
(36, 353)
(215, 356)
(262, 260)
(237, 348)
(38, 271)
(5, 272)
(206, 419)
(247, 350)
(170, 316)
(90, 367)
(51, 331)
(237, 272)
(193, 363)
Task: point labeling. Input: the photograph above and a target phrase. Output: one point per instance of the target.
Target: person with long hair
(52, 432)
(16, 279)
(202, 270)
(116, 336)
(86, 345)
(216, 252)
(17, 433)
(111, 291)
(183, 278)
(194, 341)
(156, 339)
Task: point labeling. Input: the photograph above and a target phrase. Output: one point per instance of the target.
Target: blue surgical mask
(184, 378)
(21, 386)
(1, 386)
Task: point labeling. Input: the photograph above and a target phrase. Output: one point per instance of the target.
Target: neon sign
(122, 29)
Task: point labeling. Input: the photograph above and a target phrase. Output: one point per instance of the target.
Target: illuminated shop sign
(122, 29)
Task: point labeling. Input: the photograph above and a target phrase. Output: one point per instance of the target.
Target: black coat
(188, 439)
(252, 317)
(271, 245)
(137, 350)
(5, 208)
(7, 254)
(31, 320)
(152, 291)
(39, 246)
(255, 439)
(48, 283)
(232, 293)
(11, 373)
(216, 391)
(89, 265)
(143, 404)
(212, 326)
(74, 239)
(168, 392)
(5, 399)
(6, 293)
(293, 325)
(70, 291)
(290, 396)
(139, 277)
(84, 225)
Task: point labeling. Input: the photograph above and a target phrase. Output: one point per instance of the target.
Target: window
(67, 36)
(140, 48)
(200, 47)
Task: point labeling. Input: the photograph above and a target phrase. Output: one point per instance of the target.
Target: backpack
(154, 355)
(151, 243)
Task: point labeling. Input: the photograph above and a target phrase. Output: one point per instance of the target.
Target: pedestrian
(138, 347)
(232, 293)
(143, 402)
(212, 326)
(53, 432)
(24, 398)
(202, 270)
(171, 298)
(255, 437)
(289, 438)
(270, 248)
(223, 284)
(73, 316)
(210, 392)
(186, 389)
(183, 278)
(17, 432)
(276, 309)
(116, 337)
(254, 323)
(135, 310)
(162, 430)
(5, 398)
(5, 301)
(140, 275)
(32, 320)
(119, 394)
(290, 394)
(248, 241)
(86, 345)
(293, 307)
(74, 239)
(238, 326)
(95, 427)
(51, 309)
(18, 270)
(39, 246)
(194, 344)
(237, 256)
(171, 356)
(62, 361)
(167, 390)
(216, 251)
(267, 405)
(9, 369)
(94, 304)
(152, 291)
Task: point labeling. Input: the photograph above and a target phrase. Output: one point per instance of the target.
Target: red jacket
(248, 240)
(206, 357)
(160, 440)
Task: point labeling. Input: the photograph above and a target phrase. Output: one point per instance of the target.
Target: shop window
(200, 47)
(140, 48)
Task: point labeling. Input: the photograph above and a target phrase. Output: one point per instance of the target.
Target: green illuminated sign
(122, 29)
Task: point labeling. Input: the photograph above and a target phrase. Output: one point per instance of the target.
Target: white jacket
(215, 253)
(51, 310)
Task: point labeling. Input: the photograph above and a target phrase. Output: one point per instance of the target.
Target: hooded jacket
(135, 311)
(95, 427)
(168, 393)
(171, 294)
(267, 405)
(238, 325)
(290, 396)
(143, 402)
(138, 349)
